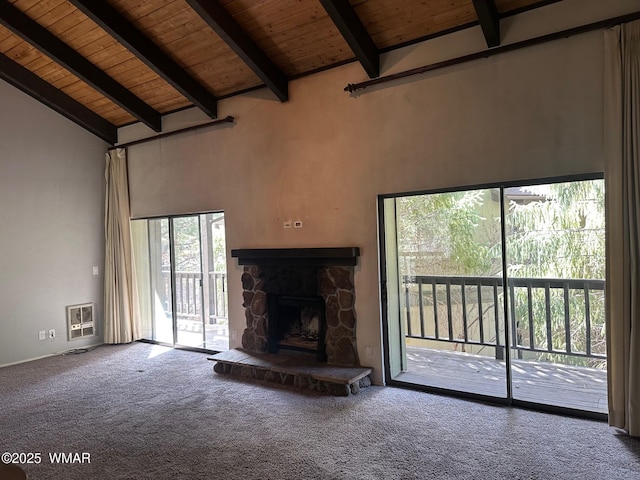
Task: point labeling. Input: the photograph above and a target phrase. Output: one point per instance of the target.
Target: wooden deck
(546, 383)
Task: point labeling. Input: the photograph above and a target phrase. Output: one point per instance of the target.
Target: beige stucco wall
(324, 156)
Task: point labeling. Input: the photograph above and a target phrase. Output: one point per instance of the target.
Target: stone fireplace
(300, 299)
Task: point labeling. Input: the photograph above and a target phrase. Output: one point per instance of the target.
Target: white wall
(324, 156)
(51, 225)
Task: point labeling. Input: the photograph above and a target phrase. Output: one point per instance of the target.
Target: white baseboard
(89, 347)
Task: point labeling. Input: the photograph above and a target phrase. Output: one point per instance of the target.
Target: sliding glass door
(450, 322)
(554, 237)
(181, 263)
(160, 267)
(187, 281)
(449, 287)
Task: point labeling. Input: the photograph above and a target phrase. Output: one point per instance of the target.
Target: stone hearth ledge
(293, 370)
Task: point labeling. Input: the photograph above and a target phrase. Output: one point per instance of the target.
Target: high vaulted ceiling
(109, 63)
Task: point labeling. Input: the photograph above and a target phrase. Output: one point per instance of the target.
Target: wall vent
(80, 321)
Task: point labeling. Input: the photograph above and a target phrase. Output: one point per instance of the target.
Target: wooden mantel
(331, 256)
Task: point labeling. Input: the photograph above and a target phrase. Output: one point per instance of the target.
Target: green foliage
(186, 232)
(218, 247)
(437, 234)
(560, 235)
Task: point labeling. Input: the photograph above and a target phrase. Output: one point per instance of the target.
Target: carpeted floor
(145, 412)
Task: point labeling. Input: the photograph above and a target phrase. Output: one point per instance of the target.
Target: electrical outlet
(368, 352)
(297, 224)
(42, 335)
(234, 335)
(52, 333)
(96, 271)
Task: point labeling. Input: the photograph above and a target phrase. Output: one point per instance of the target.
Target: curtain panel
(622, 177)
(121, 309)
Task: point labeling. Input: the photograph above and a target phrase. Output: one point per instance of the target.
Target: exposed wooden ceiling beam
(38, 36)
(128, 35)
(489, 21)
(31, 84)
(353, 31)
(239, 41)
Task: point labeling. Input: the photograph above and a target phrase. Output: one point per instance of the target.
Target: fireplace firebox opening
(297, 323)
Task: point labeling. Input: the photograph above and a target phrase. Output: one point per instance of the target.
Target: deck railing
(546, 315)
(188, 294)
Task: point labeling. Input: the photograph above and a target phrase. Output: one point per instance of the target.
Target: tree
(439, 234)
(559, 235)
(186, 233)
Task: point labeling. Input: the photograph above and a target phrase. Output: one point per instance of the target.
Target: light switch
(96, 271)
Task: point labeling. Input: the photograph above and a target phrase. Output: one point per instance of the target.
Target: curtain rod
(352, 87)
(227, 119)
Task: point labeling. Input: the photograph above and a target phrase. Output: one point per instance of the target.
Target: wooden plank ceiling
(109, 63)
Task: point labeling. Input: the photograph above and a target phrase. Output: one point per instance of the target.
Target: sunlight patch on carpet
(158, 350)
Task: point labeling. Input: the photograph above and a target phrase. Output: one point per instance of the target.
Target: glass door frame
(174, 313)
(172, 249)
(387, 303)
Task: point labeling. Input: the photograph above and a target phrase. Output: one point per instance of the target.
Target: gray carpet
(144, 414)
